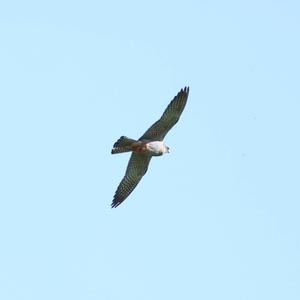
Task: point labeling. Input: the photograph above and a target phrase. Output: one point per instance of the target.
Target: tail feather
(121, 150)
(124, 141)
(123, 144)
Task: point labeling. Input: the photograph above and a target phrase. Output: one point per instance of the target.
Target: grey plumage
(169, 118)
(136, 169)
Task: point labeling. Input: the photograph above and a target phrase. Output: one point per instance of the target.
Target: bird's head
(167, 149)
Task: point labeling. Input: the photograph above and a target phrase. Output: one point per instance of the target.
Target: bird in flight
(148, 145)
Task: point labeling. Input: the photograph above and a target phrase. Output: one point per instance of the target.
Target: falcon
(148, 145)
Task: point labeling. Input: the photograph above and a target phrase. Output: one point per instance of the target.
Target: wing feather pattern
(136, 169)
(170, 117)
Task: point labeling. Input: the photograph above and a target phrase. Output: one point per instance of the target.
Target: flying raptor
(148, 145)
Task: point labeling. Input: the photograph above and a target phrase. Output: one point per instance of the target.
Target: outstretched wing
(136, 169)
(170, 117)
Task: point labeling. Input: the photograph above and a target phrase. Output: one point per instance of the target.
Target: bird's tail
(123, 144)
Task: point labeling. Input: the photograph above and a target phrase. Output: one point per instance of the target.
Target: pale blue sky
(217, 218)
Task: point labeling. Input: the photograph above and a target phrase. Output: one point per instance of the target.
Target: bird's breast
(155, 148)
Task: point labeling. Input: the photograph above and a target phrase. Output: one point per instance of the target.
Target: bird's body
(148, 145)
(153, 148)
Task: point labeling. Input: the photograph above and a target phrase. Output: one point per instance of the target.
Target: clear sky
(217, 218)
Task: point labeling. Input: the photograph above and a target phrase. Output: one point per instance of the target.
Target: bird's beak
(168, 150)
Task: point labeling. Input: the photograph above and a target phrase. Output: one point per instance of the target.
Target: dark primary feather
(170, 117)
(136, 169)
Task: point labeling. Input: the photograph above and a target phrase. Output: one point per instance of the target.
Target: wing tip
(114, 205)
(117, 200)
(185, 90)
